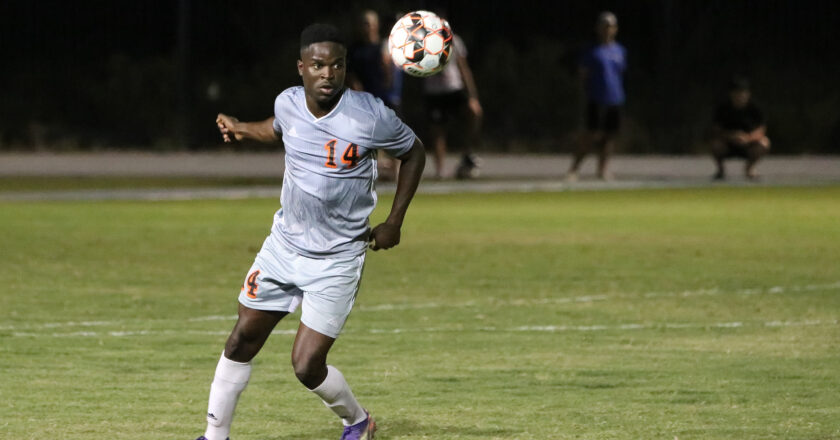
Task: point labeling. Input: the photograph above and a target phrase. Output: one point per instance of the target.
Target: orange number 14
(349, 158)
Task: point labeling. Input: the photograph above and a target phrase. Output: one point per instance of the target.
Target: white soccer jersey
(328, 187)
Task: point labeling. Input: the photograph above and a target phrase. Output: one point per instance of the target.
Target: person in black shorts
(452, 101)
(602, 69)
(739, 130)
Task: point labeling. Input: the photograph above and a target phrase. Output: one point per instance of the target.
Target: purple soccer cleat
(205, 438)
(363, 430)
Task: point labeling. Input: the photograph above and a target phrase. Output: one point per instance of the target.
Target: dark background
(96, 74)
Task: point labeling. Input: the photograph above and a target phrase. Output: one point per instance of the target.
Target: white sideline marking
(533, 328)
(213, 318)
(122, 334)
(514, 302)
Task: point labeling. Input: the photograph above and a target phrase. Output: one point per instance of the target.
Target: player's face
(606, 31)
(322, 68)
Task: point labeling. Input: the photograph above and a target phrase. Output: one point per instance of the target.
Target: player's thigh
(269, 284)
(612, 120)
(252, 329)
(594, 116)
(330, 287)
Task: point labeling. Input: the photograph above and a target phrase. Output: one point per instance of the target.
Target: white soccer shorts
(280, 279)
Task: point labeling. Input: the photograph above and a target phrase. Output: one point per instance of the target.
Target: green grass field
(658, 314)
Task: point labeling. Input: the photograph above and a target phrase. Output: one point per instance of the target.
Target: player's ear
(300, 67)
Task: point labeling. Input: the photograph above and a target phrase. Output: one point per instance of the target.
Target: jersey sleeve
(278, 115)
(390, 133)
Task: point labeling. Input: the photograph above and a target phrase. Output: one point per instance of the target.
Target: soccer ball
(420, 43)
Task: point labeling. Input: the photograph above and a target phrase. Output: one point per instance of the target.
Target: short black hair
(738, 83)
(319, 32)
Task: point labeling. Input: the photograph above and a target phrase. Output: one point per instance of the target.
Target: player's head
(323, 58)
(606, 27)
(739, 91)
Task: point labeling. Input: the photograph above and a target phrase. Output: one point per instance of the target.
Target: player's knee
(308, 370)
(237, 347)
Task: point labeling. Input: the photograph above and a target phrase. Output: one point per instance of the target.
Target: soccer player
(739, 130)
(450, 94)
(315, 252)
(601, 70)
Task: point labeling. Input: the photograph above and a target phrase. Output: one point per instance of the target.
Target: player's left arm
(234, 129)
(469, 83)
(387, 234)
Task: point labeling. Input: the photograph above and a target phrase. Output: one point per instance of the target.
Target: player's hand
(384, 236)
(226, 126)
(475, 108)
(742, 137)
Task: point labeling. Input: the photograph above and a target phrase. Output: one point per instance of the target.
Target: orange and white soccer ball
(421, 43)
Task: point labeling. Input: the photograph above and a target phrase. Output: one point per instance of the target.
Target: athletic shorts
(600, 117)
(445, 107)
(280, 280)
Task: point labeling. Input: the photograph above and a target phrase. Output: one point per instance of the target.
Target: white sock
(231, 378)
(336, 394)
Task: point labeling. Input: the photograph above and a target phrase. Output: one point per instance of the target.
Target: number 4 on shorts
(251, 284)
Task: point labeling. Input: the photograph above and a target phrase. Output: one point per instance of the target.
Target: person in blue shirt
(602, 73)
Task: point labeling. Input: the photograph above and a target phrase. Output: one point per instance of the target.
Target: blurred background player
(370, 69)
(601, 71)
(739, 130)
(452, 95)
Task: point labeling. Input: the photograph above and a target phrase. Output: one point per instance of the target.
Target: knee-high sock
(336, 394)
(230, 379)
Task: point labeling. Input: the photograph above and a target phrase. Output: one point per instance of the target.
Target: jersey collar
(334, 109)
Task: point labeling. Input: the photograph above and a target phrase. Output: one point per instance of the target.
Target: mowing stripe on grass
(530, 328)
(775, 290)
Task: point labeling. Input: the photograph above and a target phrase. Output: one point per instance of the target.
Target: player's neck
(318, 109)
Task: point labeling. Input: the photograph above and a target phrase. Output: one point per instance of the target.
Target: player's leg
(328, 299)
(265, 298)
(309, 359)
(234, 368)
(582, 146)
(586, 140)
(611, 127)
(605, 148)
(719, 150)
(754, 151)
(468, 167)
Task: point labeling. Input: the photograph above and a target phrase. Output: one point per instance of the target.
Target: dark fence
(153, 74)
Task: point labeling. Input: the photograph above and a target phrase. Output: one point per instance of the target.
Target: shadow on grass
(402, 427)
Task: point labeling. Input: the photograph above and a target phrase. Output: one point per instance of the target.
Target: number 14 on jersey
(349, 158)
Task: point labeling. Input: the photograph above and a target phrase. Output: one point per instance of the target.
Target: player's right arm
(234, 129)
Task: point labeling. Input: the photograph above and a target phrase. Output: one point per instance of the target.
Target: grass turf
(64, 183)
(684, 314)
